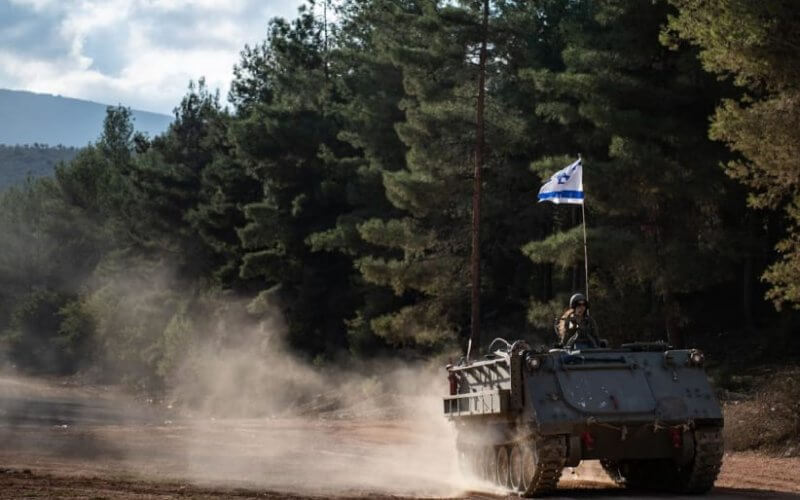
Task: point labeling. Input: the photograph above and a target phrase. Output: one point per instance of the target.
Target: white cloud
(140, 53)
(178, 5)
(38, 5)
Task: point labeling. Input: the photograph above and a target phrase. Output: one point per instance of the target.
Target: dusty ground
(58, 441)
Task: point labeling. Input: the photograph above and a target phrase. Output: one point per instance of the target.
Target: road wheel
(543, 460)
(502, 466)
(515, 468)
(528, 466)
(464, 465)
(488, 472)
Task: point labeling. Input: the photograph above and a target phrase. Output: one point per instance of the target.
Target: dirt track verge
(745, 475)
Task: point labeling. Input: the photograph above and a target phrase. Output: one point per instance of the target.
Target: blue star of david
(562, 178)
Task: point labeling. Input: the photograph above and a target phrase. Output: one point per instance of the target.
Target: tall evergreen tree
(656, 203)
(437, 51)
(284, 129)
(369, 89)
(756, 43)
(168, 183)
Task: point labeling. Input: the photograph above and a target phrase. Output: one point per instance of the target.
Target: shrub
(49, 333)
(770, 418)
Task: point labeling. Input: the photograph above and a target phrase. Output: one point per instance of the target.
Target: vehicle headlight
(696, 358)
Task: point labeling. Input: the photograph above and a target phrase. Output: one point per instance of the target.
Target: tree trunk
(747, 277)
(671, 324)
(480, 145)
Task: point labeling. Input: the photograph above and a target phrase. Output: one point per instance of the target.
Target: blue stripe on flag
(571, 195)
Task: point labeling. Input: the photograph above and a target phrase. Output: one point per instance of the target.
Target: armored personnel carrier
(646, 411)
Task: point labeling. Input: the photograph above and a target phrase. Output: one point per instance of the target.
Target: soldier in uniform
(576, 329)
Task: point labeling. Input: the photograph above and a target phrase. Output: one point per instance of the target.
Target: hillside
(28, 118)
(20, 162)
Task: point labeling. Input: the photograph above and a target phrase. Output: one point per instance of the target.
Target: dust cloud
(239, 407)
(587, 473)
(249, 415)
(242, 410)
(254, 414)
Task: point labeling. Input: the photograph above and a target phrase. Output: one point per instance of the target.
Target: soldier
(576, 329)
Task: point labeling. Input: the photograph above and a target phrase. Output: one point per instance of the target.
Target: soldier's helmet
(578, 297)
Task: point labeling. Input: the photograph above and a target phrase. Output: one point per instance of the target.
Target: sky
(138, 53)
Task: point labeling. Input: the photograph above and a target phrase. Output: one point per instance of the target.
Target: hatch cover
(606, 391)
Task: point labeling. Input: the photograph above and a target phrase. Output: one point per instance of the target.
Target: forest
(19, 162)
(333, 189)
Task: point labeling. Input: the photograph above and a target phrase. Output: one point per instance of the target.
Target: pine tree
(167, 182)
(429, 244)
(283, 131)
(756, 44)
(656, 202)
(368, 88)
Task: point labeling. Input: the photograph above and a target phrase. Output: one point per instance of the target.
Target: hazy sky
(139, 53)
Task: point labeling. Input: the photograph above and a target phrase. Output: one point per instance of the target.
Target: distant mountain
(28, 118)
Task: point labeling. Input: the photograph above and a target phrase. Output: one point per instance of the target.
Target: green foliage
(177, 338)
(116, 141)
(756, 44)
(187, 188)
(637, 113)
(26, 261)
(544, 315)
(17, 163)
(419, 326)
(75, 339)
(132, 306)
(422, 252)
(49, 333)
(285, 135)
(562, 249)
(333, 201)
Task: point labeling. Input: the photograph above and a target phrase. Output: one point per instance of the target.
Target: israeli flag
(565, 186)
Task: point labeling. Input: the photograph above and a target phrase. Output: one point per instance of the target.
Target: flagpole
(551, 192)
(585, 251)
(585, 246)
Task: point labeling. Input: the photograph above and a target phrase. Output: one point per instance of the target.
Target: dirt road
(58, 441)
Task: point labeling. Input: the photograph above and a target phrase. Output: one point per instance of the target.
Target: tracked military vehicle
(646, 411)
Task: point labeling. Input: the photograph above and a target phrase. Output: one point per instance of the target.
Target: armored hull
(648, 413)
